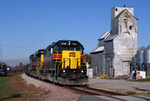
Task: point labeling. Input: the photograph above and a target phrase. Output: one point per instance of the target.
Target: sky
(29, 25)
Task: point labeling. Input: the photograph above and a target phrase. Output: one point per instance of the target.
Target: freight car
(25, 69)
(62, 62)
(3, 69)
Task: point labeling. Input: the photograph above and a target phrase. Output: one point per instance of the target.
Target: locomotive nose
(71, 59)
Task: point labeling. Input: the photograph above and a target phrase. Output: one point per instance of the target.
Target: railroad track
(93, 91)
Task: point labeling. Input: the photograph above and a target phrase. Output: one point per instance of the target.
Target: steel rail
(94, 91)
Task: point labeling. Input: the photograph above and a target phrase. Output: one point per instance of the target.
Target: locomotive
(62, 62)
(3, 69)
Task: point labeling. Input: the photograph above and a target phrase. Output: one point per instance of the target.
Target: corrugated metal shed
(98, 49)
(105, 35)
(110, 37)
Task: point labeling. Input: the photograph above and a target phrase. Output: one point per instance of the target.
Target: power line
(17, 46)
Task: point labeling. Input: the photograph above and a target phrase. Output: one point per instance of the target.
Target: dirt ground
(23, 91)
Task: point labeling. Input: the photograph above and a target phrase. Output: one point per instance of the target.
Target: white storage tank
(140, 58)
(147, 55)
(147, 60)
(140, 55)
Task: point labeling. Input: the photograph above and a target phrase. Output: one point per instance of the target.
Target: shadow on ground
(136, 88)
(12, 96)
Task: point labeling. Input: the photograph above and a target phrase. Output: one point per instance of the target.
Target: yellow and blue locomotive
(62, 62)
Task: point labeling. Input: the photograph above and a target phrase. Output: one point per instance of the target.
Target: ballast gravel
(57, 93)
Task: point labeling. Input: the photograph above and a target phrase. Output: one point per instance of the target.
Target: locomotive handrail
(84, 62)
(37, 69)
(58, 65)
(55, 63)
(64, 60)
(41, 65)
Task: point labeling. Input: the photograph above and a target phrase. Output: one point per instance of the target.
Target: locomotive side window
(56, 49)
(33, 59)
(51, 50)
(47, 52)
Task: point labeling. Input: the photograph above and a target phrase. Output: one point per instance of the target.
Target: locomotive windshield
(33, 59)
(70, 48)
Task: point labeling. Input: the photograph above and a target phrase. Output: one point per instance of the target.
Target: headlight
(64, 71)
(82, 71)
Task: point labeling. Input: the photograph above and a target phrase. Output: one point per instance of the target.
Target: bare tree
(87, 57)
(16, 67)
(20, 66)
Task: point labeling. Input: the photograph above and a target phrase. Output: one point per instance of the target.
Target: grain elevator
(113, 54)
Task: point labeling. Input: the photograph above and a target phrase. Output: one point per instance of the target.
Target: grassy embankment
(5, 91)
(141, 80)
(14, 88)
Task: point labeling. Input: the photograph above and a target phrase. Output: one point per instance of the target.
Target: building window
(130, 27)
(116, 9)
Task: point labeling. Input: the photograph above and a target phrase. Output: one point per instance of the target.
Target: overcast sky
(29, 25)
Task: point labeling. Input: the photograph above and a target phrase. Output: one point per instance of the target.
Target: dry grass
(24, 92)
